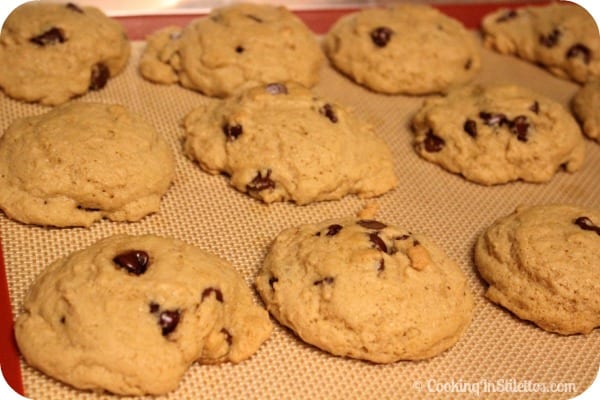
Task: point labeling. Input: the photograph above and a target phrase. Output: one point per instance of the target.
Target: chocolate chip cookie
(280, 142)
(234, 48)
(81, 162)
(543, 264)
(586, 107)
(498, 133)
(563, 37)
(367, 290)
(130, 314)
(409, 48)
(52, 52)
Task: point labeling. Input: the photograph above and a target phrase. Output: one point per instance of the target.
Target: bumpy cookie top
(52, 52)
(497, 134)
(561, 36)
(130, 314)
(586, 106)
(234, 48)
(411, 49)
(81, 162)
(280, 142)
(543, 264)
(363, 289)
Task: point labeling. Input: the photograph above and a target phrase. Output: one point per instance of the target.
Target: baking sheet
(498, 351)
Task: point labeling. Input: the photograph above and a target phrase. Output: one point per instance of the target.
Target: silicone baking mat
(499, 356)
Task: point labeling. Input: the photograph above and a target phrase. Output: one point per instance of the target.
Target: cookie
(82, 162)
(366, 290)
(50, 52)
(497, 134)
(562, 37)
(409, 48)
(586, 106)
(130, 314)
(543, 264)
(282, 143)
(232, 49)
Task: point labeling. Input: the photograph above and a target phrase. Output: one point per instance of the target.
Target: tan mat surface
(498, 352)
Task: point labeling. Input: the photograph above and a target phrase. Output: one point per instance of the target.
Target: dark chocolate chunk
(134, 261)
(493, 119)
(535, 107)
(333, 230)
(520, 127)
(551, 39)
(433, 143)
(74, 7)
(328, 280)
(239, 49)
(51, 36)
(228, 337)
(99, 76)
(272, 281)
(470, 127)
(208, 291)
(586, 224)
(232, 132)
(260, 182)
(507, 16)
(276, 88)
(154, 307)
(371, 224)
(381, 36)
(378, 242)
(580, 50)
(168, 321)
(327, 111)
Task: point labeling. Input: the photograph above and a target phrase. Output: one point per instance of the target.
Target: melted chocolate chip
(586, 224)
(134, 261)
(378, 242)
(535, 107)
(168, 321)
(232, 132)
(433, 143)
(208, 291)
(520, 127)
(239, 49)
(492, 119)
(228, 337)
(507, 16)
(99, 76)
(381, 36)
(402, 237)
(333, 230)
(470, 127)
(371, 224)
(328, 280)
(327, 111)
(276, 88)
(154, 307)
(259, 182)
(580, 50)
(51, 36)
(272, 281)
(551, 39)
(74, 7)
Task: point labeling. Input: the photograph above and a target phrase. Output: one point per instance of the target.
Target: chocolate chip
(551, 39)
(371, 224)
(134, 261)
(402, 237)
(580, 50)
(493, 119)
(272, 281)
(333, 230)
(520, 127)
(381, 36)
(154, 307)
(99, 77)
(327, 111)
(507, 16)
(74, 7)
(88, 209)
(381, 266)
(168, 321)
(254, 18)
(433, 143)
(239, 49)
(63, 320)
(259, 182)
(468, 64)
(377, 242)
(232, 132)
(328, 280)
(470, 127)
(535, 107)
(208, 291)
(228, 337)
(586, 224)
(51, 36)
(276, 88)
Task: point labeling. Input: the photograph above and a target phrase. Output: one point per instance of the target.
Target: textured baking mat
(498, 353)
